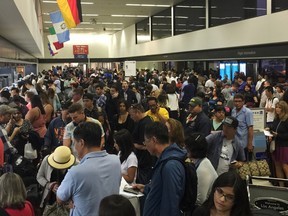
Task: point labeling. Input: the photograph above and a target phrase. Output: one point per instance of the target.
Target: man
(188, 92)
(145, 161)
(16, 92)
(96, 176)
(128, 94)
(112, 102)
(76, 113)
(223, 148)
(166, 189)
(241, 83)
(77, 95)
(54, 135)
(219, 116)
(263, 96)
(244, 135)
(156, 112)
(197, 120)
(90, 110)
(101, 98)
(270, 105)
(5, 146)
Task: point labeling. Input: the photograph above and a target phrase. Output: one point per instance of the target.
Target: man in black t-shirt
(145, 160)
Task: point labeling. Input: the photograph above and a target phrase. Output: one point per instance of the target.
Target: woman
(123, 119)
(52, 171)
(28, 97)
(37, 117)
(279, 130)
(53, 99)
(13, 196)
(215, 99)
(49, 110)
(172, 102)
(129, 163)
(176, 132)
(17, 129)
(228, 197)
(250, 96)
(196, 146)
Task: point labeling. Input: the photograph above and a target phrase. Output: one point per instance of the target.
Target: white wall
(98, 46)
(260, 30)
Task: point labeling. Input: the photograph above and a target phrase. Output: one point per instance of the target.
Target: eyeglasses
(228, 197)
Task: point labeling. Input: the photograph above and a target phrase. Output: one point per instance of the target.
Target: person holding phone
(223, 150)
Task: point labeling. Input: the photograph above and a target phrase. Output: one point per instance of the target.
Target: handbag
(29, 152)
(272, 146)
(56, 210)
(254, 168)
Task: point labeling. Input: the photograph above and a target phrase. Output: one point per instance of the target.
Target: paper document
(267, 133)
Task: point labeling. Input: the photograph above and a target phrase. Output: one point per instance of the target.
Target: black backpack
(187, 204)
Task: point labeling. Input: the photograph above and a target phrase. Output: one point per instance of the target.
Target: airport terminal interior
(124, 60)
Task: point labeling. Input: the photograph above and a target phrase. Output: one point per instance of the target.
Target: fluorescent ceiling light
(162, 17)
(118, 15)
(54, 2)
(46, 14)
(147, 5)
(90, 15)
(47, 22)
(186, 6)
(113, 29)
(181, 17)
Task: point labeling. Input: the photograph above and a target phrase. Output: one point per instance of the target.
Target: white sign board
(259, 119)
(130, 68)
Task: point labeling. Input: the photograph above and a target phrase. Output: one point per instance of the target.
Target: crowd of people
(92, 130)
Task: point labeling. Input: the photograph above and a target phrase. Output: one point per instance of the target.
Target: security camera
(104, 29)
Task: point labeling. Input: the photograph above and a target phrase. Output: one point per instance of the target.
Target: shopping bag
(29, 152)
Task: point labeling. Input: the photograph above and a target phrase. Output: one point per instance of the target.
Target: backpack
(187, 203)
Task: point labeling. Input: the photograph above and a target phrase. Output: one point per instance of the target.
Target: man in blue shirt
(96, 176)
(244, 135)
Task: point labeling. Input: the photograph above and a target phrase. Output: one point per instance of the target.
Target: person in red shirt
(13, 196)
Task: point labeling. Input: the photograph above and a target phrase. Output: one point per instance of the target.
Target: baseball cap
(6, 109)
(231, 122)
(195, 101)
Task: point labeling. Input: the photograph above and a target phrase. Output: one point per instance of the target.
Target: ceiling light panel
(147, 5)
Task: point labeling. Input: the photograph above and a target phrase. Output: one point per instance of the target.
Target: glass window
(279, 5)
(142, 31)
(228, 11)
(189, 16)
(161, 25)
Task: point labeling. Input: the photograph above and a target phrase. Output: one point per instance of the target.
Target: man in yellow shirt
(156, 112)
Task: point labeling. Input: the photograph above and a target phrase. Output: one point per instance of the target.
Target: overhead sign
(80, 56)
(80, 49)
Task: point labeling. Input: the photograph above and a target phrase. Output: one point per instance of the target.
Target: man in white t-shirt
(223, 150)
(270, 105)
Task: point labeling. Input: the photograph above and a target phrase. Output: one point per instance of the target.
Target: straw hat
(61, 158)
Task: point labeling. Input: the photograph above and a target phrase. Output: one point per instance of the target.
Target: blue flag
(60, 27)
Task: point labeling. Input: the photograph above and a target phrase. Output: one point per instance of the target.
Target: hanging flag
(71, 11)
(52, 50)
(60, 27)
(54, 40)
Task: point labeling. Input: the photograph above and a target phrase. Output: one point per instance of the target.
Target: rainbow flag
(71, 12)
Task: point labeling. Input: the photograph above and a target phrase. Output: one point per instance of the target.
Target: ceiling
(97, 14)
